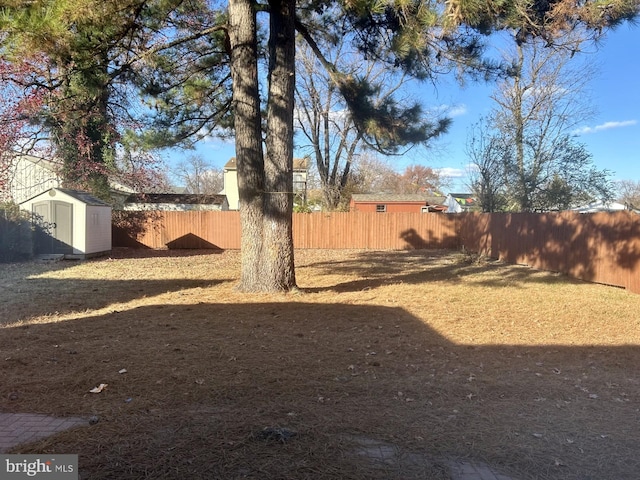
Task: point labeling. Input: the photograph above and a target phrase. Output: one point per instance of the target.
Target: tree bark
(278, 255)
(249, 156)
(265, 185)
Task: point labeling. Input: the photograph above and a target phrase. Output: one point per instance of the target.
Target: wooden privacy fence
(601, 247)
(210, 229)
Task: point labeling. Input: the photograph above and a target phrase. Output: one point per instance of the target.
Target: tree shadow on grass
(59, 296)
(203, 380)
(602, 247)
(132, 252)
(378, 268)
(13, 273)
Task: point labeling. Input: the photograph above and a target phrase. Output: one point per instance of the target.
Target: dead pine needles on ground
(428, 354)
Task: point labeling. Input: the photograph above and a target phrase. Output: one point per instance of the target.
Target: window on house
(381, 208)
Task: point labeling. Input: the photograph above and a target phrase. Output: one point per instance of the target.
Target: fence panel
(358, 230)
(373, 230)
(176, 230)
(601, 247)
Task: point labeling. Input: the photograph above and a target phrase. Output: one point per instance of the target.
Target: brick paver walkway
(473, 471)
(19, 428)
(412, 462)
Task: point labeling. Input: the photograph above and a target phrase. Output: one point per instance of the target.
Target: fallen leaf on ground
(99, 388)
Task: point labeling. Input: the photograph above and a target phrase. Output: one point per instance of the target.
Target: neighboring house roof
(177, 189)
(453, 206)
(120, 187)
(600, 206)
(398, 198)
(299, 164)
(466, 200)
(231, 164)
(176, 198)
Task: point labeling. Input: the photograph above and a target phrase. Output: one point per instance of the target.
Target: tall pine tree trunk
(249, 156)
(278, 267)
(265, 187)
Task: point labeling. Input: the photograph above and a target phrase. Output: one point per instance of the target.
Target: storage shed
(69, 223)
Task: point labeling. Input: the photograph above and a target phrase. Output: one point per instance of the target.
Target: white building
(300, 172)
(29, 176)
(69, 223)
(175, 202)
(600, 206)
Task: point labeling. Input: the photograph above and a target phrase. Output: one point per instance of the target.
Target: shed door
(54, 227)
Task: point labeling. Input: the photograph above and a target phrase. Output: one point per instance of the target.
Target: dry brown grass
(442, 355)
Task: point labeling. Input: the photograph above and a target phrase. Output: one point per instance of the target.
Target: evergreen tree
(81, 55)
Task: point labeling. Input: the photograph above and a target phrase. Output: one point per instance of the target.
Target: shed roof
(84, 197)
(79, 195)
(177, 198)
(399, 198)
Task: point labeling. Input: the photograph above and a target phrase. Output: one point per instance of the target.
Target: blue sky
(612, 136)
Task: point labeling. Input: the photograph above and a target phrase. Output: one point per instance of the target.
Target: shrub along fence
(600, 247)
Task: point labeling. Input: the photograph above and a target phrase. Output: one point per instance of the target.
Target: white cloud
(450, 111)
(472, 168)
(450, 172)
(604, 126)
(457, 111)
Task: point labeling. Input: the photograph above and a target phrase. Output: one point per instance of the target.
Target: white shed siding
(98, 229)
(79, 230)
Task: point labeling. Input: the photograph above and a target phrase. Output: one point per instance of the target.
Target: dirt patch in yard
(436, 353)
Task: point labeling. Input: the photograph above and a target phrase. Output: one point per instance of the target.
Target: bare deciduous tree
(629, 193)
(371, 174)
(488, 155)
(330, 131)
(199, 176)
(528, 150)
